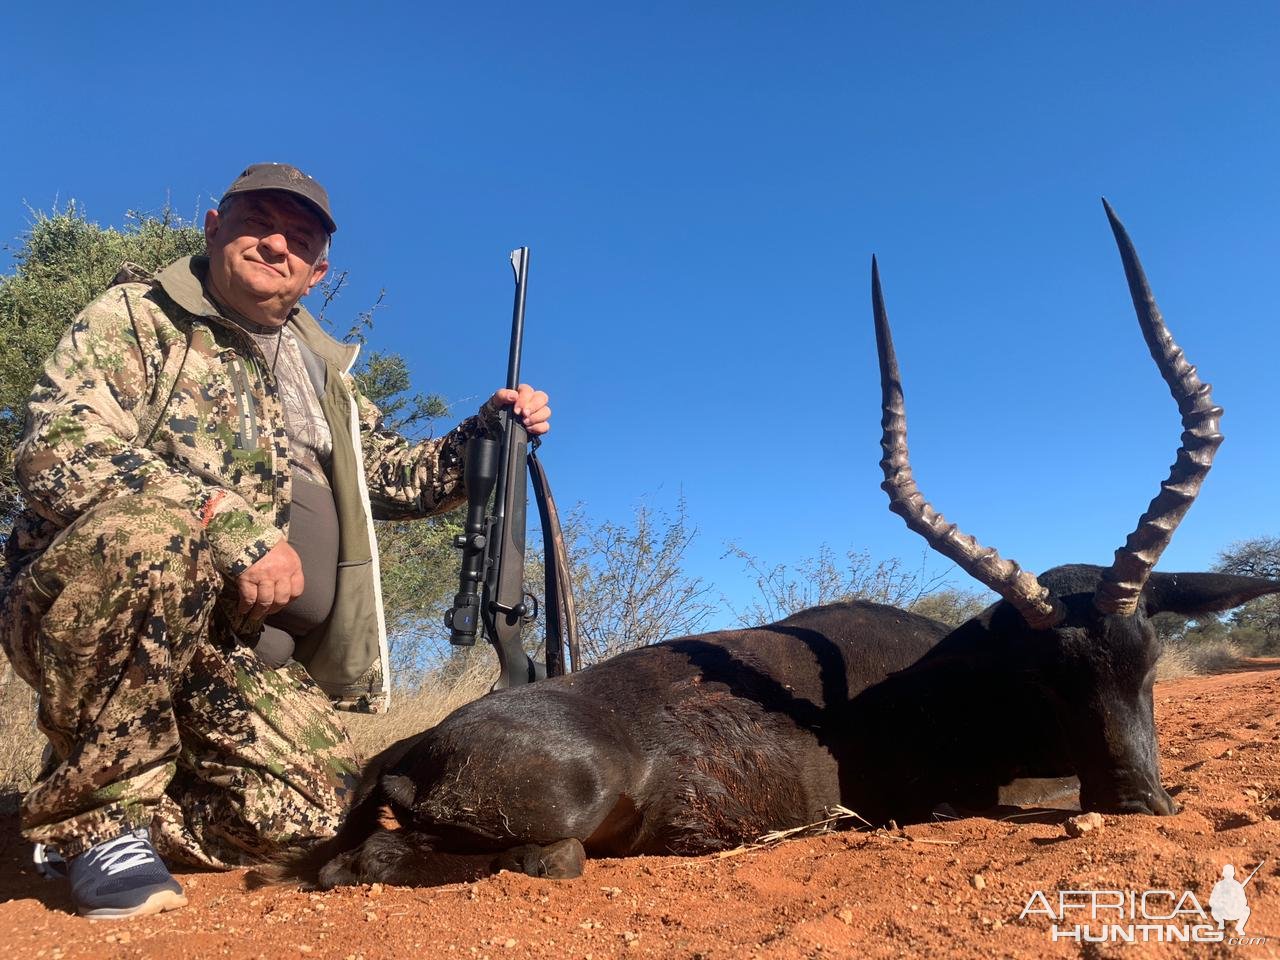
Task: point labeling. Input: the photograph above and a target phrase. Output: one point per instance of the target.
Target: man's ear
(1191, 594)
(317, 274)
(211, 220)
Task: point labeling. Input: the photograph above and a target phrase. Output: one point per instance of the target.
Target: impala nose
(1128, 796)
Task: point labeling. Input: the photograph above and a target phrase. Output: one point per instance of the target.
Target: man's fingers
(266, 596)
(526, 399)
(248, 596)
(528, 404)
(271, 582)
(537, 412)
(537, 422)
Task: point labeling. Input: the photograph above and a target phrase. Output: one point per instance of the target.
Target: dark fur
(699, 743)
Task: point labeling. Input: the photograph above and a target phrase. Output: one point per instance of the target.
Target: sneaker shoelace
(123, 853)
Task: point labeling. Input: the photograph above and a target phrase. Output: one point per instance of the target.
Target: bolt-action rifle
(491, 599)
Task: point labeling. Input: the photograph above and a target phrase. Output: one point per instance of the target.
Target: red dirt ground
(946, 889)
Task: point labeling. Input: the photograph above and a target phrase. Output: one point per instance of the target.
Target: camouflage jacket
(152, 390)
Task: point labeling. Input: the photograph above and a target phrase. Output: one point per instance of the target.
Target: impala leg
(408, 859)
(562, 860)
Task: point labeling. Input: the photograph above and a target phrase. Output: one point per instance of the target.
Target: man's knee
(147, 535)
(93, 580)
(128, 549)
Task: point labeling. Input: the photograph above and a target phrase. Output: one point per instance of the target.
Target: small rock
(509, 942)
(371, 917)
(1085, 823)
(629, 936)
(846, 916)
(979, 881)
(304, 948)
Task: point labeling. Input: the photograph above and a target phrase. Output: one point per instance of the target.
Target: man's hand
(271, 582)
(530, 405)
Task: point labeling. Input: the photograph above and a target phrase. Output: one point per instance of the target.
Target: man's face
(264, 253)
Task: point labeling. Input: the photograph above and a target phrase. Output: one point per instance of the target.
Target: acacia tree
(826, 578)
(1256, 625)
(629, 585)
(951, 605)
(1256, 557)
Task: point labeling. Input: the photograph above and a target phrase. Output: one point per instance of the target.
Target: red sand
(952, 889)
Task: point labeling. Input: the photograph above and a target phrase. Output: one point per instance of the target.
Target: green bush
(64, 261)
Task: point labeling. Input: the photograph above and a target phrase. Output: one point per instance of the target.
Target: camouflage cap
(282, 176)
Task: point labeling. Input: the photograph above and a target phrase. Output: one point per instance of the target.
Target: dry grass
(836, 814)
(20, 742)
(1197, 659)
(435, 696)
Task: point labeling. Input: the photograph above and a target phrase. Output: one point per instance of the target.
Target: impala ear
(400, 789)
(1195, 593)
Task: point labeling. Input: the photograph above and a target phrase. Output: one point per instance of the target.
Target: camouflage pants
(155, 715)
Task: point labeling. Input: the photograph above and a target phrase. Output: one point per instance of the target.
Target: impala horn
(1040, 610)
(1123, 581)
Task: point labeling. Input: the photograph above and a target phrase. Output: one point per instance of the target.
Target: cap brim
(325, 220)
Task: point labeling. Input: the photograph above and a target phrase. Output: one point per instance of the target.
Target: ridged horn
(1019, 587)
(1123, 581)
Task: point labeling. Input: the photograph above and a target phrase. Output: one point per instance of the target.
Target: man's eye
(302, 243)
(255, 221)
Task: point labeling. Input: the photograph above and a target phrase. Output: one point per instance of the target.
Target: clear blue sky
(702, 186)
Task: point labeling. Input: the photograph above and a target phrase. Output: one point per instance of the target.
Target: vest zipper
(244, 400)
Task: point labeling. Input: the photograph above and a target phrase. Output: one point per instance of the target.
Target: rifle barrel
(520, 264)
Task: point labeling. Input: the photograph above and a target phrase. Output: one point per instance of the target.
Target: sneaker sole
(158, 902)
